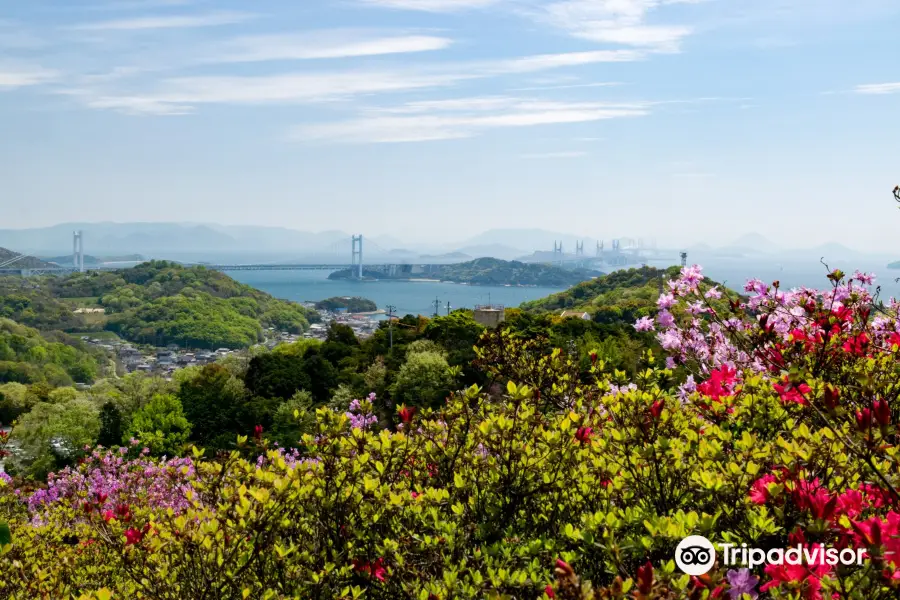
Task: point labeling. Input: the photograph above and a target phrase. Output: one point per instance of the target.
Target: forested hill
(620, 297)
(156, 302)
(493, 271)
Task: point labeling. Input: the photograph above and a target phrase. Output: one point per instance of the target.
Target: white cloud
(320, 45)
(567, 87)
(15, 77)
(315, 86)
(554, 155)
(166, 22)
(615, 21)
(432, 5)
(460, 118)
(878, 88)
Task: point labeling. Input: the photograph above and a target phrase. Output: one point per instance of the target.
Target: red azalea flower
(656, 408)
(864, 420)
(832, 397)
(882, 412)
(583, 434)
(808, 575)
(407, 413)
(645, 578)
(563, 568)
(549, 591)
(759, 492)
(894, 340)
(789, 392)
(108, 516)
(257, 432)
(133, 536)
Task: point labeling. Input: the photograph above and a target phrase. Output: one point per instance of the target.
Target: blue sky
(679, 120)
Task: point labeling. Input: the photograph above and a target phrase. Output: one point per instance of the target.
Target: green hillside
(493, 271)
(621, 295)
(156, 302)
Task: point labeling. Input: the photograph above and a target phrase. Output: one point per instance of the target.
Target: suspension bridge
(623, 251)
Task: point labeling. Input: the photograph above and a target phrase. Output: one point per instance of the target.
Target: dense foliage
(772, 422)
(28, 357)
(353, 305)
(489, 271)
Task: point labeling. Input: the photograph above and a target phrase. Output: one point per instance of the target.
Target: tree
(13, 401)
(110, 425)
(161, 426)
(212, 402)
(52, 436)
(424, 379)
(288, 428)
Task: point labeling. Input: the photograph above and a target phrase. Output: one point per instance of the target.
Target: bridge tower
(78, 250)
(600, 248)
(357, 260)
(579, 248)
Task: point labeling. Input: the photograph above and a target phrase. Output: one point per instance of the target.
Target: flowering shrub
(772, 423)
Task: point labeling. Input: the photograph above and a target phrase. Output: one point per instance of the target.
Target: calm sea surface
(418, 297)
(409, 297)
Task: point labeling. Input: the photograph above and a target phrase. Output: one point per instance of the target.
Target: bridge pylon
(357, 258)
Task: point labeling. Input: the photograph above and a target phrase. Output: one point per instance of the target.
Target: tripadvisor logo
(696, 555)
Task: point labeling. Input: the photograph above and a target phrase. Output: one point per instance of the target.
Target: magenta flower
(644, 324)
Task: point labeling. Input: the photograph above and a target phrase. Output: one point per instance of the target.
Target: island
(481, 271)
(350, 304)
(894, 265)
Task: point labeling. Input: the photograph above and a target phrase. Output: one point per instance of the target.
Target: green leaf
(5, 534)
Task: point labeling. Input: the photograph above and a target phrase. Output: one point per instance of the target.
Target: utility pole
(437, 307)
(390, 313)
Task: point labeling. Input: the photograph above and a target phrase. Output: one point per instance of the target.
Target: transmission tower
(684, 259)
(390, 314)
(448, 308)
(357, 260)
(437, 307)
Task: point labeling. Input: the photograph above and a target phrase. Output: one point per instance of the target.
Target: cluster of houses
(165, 361)
(362, 325)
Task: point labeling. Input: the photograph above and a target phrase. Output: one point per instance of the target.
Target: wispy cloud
(15, 77)
(567, 87)
(459, 118)
(319, 86)
(615, 21)
(543, 155)
(166, 22)
(431, 5)
(878, 88)
(320, 45)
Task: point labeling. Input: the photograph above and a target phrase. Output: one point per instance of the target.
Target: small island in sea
(481, 271)
(350, 304)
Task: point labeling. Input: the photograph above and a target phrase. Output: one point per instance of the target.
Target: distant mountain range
(196, 242)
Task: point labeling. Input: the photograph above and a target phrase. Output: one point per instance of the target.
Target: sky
(682, 121)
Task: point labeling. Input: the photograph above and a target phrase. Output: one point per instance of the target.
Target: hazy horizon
(431, 121)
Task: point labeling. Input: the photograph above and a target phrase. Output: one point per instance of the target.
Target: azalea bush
(772, 421)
